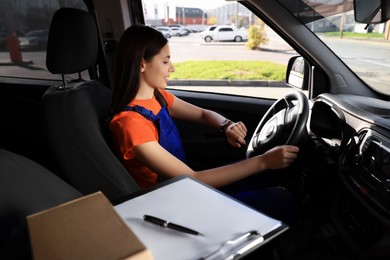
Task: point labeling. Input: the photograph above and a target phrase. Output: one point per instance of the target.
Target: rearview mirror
(372, 11)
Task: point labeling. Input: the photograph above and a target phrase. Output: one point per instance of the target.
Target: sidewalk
(228, 83)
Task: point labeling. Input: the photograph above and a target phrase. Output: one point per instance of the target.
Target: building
(158, 14)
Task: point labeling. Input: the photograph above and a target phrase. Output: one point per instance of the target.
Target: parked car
(34, 40)
(334, 104)
(166, 31)
(224, 33)
(3, 39)
(178, 30)
(191, 29)
(206, 33)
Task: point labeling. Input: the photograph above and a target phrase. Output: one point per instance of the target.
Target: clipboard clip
(251, 235)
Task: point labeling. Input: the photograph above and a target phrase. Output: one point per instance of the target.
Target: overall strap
(148, 114)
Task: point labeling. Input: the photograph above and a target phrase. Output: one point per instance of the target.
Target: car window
(226, 64)
(23, 38)
(226, 30)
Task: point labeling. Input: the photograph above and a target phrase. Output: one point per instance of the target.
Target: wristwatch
(225, 124)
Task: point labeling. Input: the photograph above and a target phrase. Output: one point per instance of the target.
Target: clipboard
(231, 229)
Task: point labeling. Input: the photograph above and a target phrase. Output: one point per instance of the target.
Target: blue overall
(168, 136)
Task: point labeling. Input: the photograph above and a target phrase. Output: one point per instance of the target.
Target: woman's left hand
(236, 134)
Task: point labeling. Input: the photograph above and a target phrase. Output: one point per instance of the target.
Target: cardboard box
(85, 228)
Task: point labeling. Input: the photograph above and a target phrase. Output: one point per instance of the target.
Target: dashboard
(358, 128)
(369, 161)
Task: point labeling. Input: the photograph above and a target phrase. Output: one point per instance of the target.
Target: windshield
(364, 48)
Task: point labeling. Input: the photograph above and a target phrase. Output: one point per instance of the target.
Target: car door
(225, 34)
(206, 147)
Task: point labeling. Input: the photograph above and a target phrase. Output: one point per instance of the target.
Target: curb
(18, 63)
(228, 83)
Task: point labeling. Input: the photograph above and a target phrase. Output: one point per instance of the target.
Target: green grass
(357, 35)
(229, 70)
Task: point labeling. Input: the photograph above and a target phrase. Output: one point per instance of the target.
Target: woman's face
(155, 73)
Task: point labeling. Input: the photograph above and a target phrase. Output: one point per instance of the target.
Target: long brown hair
(137, 42)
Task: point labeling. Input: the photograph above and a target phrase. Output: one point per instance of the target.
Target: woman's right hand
(280, 156)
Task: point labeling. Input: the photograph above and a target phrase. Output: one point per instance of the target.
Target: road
(194, 48)
(373, 62)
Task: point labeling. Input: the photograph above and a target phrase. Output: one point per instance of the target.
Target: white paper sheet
(193, 205)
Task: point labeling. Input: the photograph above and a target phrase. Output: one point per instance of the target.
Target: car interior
(55, 143)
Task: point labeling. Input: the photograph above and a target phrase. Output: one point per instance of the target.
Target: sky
(203, 4)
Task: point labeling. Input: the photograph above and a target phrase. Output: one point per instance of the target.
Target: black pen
(167, 224)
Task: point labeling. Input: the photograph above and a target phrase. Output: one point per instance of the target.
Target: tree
(256, 37)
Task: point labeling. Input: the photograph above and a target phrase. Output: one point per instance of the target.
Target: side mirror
(297, 74)
(372, 11)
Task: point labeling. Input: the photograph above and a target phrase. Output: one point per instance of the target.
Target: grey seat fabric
(76, 113)
(25, 188)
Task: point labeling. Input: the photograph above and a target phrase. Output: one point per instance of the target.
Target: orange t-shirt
(130, 129)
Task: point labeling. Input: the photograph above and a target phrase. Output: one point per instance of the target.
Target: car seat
(76, 113)
(25, 188)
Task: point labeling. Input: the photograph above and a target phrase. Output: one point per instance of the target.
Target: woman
(144, 133)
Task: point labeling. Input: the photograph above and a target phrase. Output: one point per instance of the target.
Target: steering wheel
(283, 123)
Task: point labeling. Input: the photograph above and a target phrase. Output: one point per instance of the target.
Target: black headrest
(73, 42)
